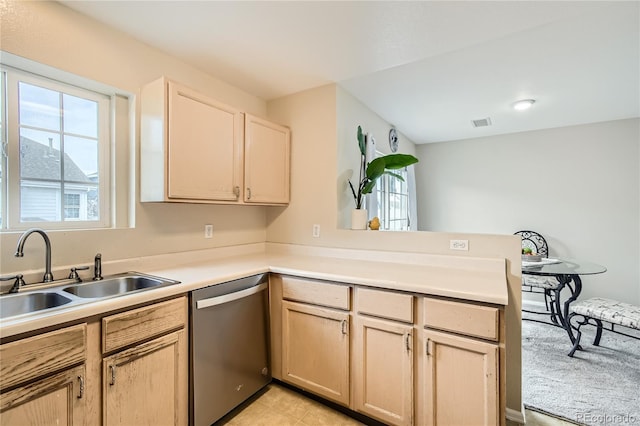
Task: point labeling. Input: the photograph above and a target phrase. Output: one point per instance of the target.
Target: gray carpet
(600, 385)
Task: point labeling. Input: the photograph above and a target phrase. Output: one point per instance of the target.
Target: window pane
(39, 107)
(71, 206)
(80, 116)
(39, 155)
(93, 204)
(81, 159)
(39, 201)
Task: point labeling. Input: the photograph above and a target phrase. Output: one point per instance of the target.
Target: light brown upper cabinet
(266, 161)
(194, 150)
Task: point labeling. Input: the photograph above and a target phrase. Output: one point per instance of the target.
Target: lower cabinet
(42, 379)
(461, 364)
(145, 365)
(383, 370)
(315, 350)
(141, 384)
(461, 381)
(383, 356)
(129, 368)
(55, 400)
(414, 360)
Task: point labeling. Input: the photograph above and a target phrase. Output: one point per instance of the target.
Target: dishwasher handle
(226, 298)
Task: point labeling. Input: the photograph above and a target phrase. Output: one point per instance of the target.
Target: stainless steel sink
(25, 303)
(116, 285)
(71, 294)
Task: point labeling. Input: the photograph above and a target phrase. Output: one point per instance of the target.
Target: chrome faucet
(48, 276)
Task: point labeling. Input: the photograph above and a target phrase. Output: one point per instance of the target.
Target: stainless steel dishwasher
(229, 346)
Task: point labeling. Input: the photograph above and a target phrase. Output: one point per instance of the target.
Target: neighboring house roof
(38, 161)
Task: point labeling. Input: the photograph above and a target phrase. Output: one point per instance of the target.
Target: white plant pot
(359, 219)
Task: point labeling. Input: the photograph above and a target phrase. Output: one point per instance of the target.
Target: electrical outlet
(208, 231)
(316, 231)
(459, 245)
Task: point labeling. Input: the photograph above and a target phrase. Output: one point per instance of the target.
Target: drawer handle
(113, 375)
(236, 191)
(426, 347)
(343, 326)
(248, 193)
(407, 341)
(81, 381)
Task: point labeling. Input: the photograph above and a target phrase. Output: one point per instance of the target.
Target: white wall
(579, 186)
(52, 34)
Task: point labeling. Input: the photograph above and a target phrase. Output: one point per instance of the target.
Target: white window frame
(11, 184)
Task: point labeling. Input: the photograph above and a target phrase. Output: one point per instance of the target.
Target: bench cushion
(609, 310)
(540, 281)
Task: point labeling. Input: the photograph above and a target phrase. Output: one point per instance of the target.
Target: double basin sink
(37, 301)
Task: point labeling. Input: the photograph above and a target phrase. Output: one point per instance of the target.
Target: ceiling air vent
(482, 122)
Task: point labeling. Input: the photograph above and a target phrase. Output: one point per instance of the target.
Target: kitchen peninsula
(419, 297)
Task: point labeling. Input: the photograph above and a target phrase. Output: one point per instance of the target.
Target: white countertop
(486, 284)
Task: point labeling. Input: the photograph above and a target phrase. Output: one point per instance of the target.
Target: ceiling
(427, 67)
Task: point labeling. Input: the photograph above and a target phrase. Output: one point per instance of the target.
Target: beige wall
(57, 36)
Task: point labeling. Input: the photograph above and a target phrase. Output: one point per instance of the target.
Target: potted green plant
(369, 174)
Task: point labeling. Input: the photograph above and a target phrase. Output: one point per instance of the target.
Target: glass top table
(562, 267)
(567, 272)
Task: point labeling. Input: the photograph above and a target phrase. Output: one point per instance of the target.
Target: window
(393, 201)
(55, 162)
(72, 206)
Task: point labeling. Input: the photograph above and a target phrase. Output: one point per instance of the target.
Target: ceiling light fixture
(523, 104)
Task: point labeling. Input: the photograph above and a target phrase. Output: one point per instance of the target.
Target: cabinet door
(204, 147)
(315, 350)
(56, 400)
(266, 170)
(383, 370)
(461, 381)
(145, 385)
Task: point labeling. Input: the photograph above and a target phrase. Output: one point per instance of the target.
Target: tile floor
(281, 406)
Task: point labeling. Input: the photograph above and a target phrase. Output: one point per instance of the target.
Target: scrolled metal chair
(548, 286)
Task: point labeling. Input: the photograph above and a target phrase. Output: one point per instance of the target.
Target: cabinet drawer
(36, 356)
(385, 304)
(316, 293)
(463, 318)
(138, 324)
